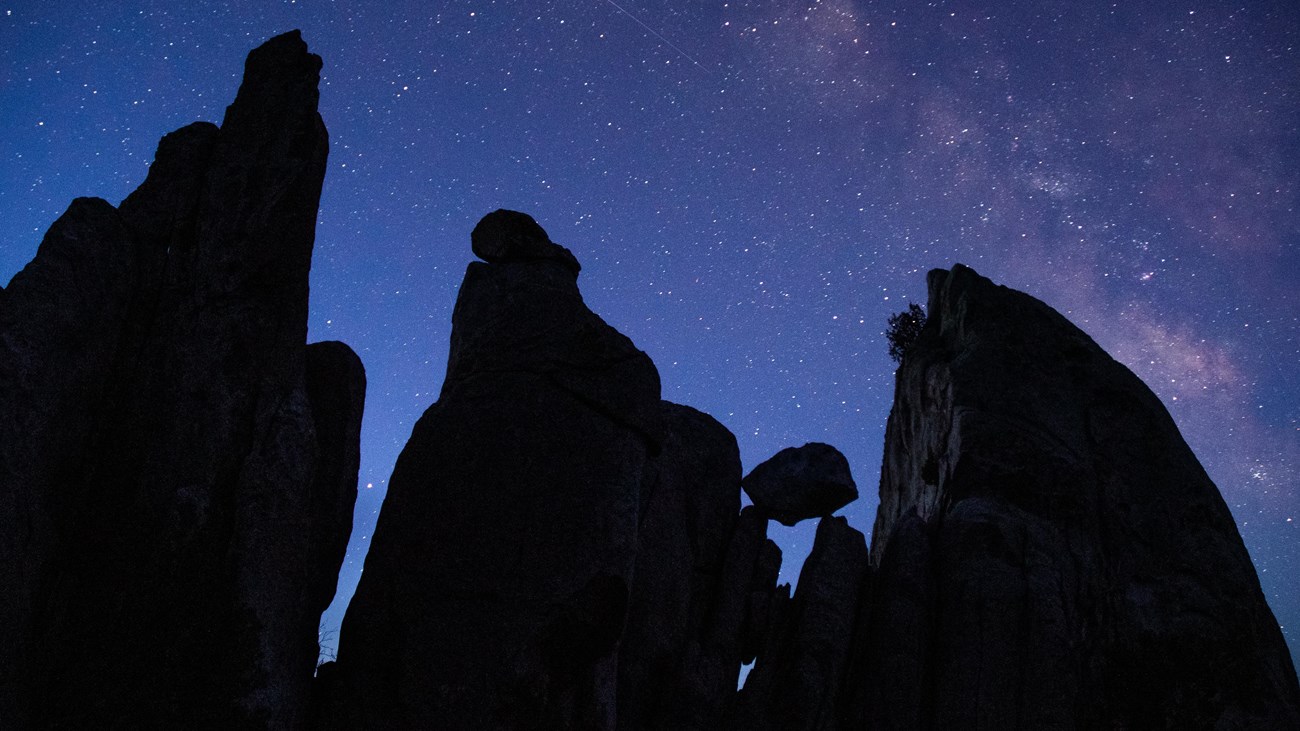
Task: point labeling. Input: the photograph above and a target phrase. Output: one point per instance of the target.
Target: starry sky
(752, 188)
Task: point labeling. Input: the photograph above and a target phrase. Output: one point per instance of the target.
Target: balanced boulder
(804, 482)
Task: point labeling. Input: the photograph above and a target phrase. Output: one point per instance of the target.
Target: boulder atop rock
(797, 483)
(504, 235)
(497, 583)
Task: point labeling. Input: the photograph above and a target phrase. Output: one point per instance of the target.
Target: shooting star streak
(656, 35)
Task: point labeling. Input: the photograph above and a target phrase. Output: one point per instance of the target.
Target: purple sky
(752, 188)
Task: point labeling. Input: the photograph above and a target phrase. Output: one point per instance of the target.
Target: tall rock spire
(179, 467)
(497, 583)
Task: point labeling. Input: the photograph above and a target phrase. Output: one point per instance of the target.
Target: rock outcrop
(689, 510)
(177, 466)
(558, 548)
(750, 601)
(797, 685)
(798, 483)
(1048, 551)
(497, 584)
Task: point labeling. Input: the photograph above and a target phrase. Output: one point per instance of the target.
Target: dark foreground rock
(497, 585)
(513, 236)
(798, 483)
(797, 685)
(559, 548)
(688, 513)
(1049, 552)
(177, 466)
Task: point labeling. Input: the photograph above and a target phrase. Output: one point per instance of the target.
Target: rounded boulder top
(801, 482)
(505, 235)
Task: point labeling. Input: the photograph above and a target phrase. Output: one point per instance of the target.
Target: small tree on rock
(902, 330)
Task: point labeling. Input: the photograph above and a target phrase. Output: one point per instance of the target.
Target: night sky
(752, 188)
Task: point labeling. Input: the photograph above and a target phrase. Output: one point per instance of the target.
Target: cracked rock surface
(1048, 552)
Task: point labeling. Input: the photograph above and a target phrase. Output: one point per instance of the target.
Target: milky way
(752, 188)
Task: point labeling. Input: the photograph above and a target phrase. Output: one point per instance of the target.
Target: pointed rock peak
(281, 80)
(968, 310)
(503, 236)
(948, 286)
(936, 278)
(801, 482)
(159, 392)
(959, 278)
(284, 56)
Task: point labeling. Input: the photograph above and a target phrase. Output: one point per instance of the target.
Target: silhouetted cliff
(1048, 552)
(177, 467)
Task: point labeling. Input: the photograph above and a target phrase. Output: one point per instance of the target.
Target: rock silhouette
(689, 510)
(989, 591)
(1048, 552)
(513, 236)
(560, 548)
(179, 467)
(497, 583)
(798, 684)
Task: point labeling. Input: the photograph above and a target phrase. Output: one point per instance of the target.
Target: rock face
(559, 548)
(688, 513)
(796, 686)
(1048, 551)
(497, 584)
(177, 466)
(694, 688)
(748, 611)
(801, 482)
